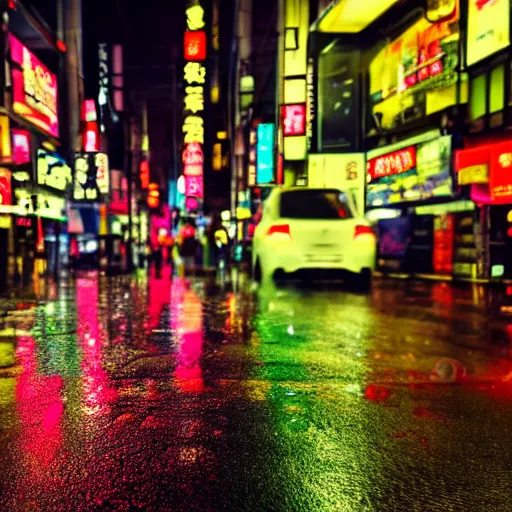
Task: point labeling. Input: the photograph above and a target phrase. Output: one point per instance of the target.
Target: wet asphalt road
(136, 394)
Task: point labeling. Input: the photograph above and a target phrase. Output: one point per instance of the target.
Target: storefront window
(338, 100)
(477, 98)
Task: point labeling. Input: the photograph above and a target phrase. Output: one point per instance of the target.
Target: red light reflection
(187, 322)
(40, 409)
(97, 392)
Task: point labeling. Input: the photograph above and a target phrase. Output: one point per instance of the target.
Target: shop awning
(351, 16)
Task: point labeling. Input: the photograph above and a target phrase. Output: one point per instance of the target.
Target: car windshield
(314, 204)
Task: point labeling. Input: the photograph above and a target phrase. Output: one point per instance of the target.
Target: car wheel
(364, 280)
(257, 275)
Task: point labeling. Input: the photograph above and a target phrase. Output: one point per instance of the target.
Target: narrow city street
(142, 394)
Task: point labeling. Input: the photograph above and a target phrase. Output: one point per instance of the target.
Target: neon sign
(53, 171)
(265, 153)
(194, 74)
(92, 176)
(294, 119)
(34, 89)
(392, 163)
(21, 146)
(5, 188)
(195, 46)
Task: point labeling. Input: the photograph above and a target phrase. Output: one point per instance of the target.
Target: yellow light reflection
(349, 16)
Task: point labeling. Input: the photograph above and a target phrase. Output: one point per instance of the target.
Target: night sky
(149, 31)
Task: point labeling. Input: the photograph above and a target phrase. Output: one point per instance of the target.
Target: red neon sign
(20, 146)
(91, 138)
(195, 45)
(5, 188)
(294, 119)
(393, 163)
(193, 160)
(89, 111)
(194, 186)
(34, 89)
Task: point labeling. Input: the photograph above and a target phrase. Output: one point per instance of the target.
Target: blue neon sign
(265, 154)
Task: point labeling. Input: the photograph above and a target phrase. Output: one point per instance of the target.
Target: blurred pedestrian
(188, 243)
(158, 260)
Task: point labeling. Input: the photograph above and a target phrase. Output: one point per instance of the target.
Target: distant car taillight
(280, 229)
(363, 230)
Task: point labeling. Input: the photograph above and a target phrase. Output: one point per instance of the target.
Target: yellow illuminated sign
(195, 72)
(195, 17)
(194, 99)
(488, 28)
(193, 128)
(217, 157)
(473, 174)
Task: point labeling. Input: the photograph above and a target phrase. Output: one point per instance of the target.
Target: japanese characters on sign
(252, 158)
(294, 119)
(34, 89)
(91, 176)
(20, 146)
(500, 179)
(194, 74)
(5, 188)
(265, 165)
(53, 171)
(412, 174)
(393, 163)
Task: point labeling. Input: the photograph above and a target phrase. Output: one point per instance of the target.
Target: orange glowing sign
(144, 174)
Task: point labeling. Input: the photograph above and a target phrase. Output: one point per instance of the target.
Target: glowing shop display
(92, 176)
(419, 67)
(294, 119)
(488, 28)
(53, 171)
(415, 173)
(20, 146)
(34, 89)
(5, 188)
(265, 154)
(194, 74)
(48, 205)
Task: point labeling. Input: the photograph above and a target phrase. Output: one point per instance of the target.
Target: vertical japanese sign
(104, 82)
(195, 43)
(265, 154)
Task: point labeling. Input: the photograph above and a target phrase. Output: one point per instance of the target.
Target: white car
(312, 228)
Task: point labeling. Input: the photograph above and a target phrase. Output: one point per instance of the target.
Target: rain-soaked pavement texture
(137, 394)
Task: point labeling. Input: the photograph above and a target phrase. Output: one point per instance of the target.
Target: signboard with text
(265, 154)
(488, 28)
(413, 174)
(5, 188)
(34, 89)
(92, 177)
(194, 73)
(53, 171)
(422, 61)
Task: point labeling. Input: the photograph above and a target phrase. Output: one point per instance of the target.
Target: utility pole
(72, 18)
